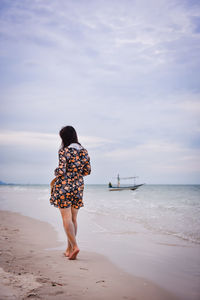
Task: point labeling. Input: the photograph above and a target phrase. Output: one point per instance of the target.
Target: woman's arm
(87, 167)
(62, 164)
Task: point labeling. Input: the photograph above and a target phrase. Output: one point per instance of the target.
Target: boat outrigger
(120, 188)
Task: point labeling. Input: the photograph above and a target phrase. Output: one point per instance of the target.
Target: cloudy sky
(125, 74)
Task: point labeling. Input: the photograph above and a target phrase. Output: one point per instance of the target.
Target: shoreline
(31, 268)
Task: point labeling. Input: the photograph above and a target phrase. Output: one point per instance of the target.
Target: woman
(67, 187)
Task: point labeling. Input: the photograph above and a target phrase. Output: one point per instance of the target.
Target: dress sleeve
(87, 166)
(62, 164)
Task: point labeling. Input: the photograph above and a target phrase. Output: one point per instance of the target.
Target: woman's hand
(52, 184)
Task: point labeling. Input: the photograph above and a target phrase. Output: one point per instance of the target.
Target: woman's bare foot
(68, 251)
(74, 253)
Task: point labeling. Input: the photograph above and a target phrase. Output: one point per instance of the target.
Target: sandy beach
(31, 269)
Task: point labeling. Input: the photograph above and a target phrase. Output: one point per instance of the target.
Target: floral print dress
(74, 163)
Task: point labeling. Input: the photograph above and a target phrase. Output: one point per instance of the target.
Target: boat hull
(122, 188)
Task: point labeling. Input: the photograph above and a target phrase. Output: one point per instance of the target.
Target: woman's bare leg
(75, 251)
(74, 220)
(70, 230)
(74, 217)
(69, 248)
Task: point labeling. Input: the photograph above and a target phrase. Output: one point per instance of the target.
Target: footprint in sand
(43, 280)
(32, 295)
(100, 281)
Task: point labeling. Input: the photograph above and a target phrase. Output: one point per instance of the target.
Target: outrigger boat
(120, 188)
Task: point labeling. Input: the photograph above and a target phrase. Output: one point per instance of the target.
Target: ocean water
(152, 232)
(165, 209)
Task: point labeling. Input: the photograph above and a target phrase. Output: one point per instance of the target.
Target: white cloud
(159, 155)
(25, 138)
(45, 140)
(94, 141)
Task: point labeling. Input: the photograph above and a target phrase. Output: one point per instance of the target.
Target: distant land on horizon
(5, 183)
(1, 182)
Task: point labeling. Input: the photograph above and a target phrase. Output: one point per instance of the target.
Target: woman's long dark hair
(68, 135)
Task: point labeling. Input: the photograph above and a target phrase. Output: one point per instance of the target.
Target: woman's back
(73, 160)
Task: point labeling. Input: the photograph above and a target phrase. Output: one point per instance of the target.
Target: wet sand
(31, 269)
